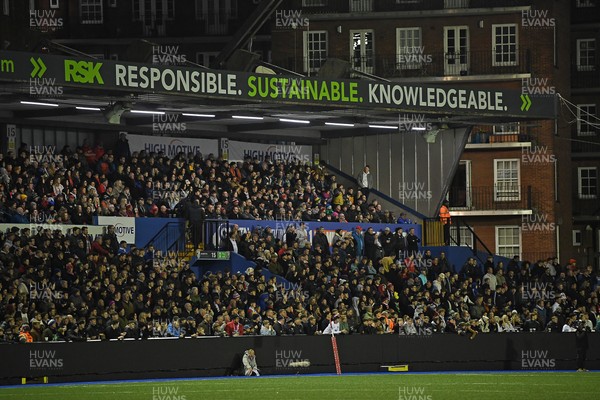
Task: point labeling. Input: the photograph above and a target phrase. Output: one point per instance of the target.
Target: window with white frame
(511, 128)
(362, 50)
(586, 54)
(6, 7)
(466, 236)
(90, 11)
(409, 48)
(507, 180)
(576, 237)
(505, 45)
(315, 50)
(151, 11)
(216, 12)
(586, 120)
(508, 241)
(587, 182)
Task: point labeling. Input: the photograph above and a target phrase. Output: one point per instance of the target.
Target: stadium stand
(70, 286)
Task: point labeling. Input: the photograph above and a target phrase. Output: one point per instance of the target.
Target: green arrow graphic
(39, 68)
(526, 102)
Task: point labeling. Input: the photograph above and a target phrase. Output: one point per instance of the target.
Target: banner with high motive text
(171, 146)
(238, 151)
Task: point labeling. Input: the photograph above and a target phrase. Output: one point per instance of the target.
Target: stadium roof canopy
(86, 93)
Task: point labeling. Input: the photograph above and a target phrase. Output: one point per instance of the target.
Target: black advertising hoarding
(278, 89)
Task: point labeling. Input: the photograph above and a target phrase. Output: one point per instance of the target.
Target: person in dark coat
(195, 216)
(412, 242)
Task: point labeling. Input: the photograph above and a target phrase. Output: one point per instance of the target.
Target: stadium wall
(168, 358)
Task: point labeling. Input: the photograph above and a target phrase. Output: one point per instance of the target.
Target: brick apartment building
(512, 186)
(111, 29)
(585, 129)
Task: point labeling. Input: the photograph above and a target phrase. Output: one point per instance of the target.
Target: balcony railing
(361, 6)
(493, 198)
(586, 144)
(485, 138)
(422, 64)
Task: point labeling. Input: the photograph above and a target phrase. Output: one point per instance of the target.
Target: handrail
(376, 192)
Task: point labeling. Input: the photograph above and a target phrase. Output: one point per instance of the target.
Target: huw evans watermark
(168, 123)
(45, 20)
(168, 55)
(537, 222)
(285, 359)
(44, 154)
(290, 19)
(539, 19)
(167, 393)
(416, 122)
(413, 393)
(538, 291)
(537, 87)
(44, 88)
(537, 360)
(43, 291)
(413, 191)
(410, 57)
(45, 359)
(537, 155)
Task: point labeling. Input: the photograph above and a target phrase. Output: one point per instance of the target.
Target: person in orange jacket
(24, 335)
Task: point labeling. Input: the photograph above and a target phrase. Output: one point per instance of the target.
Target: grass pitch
(401, 386)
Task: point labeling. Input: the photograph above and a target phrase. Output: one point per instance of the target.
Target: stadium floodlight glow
(199, 115)
(246, 117)
(294, 121)
(383, 127)
(88, 108)
(339, 124)
(35, 103)
(148, 112)
(418, 128)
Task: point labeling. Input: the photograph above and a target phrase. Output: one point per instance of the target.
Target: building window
(585, 3)
(6, 7)
(314, 3)
(576, 238)
(508, 241)
(504, 42)
(511, 128)
(586, 120)
(54, 3)
(456, 3)
(587, 182)
(409, 48)
(206, 59)
(586, 54)
(507, 180)
(315, 50)
(90, 11)
(362, 50)
(361, 5)
(466, 237)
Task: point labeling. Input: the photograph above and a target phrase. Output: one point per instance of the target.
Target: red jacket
(232, 327)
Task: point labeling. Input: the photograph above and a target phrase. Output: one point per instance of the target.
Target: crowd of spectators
(67, 285)
(69, 186)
